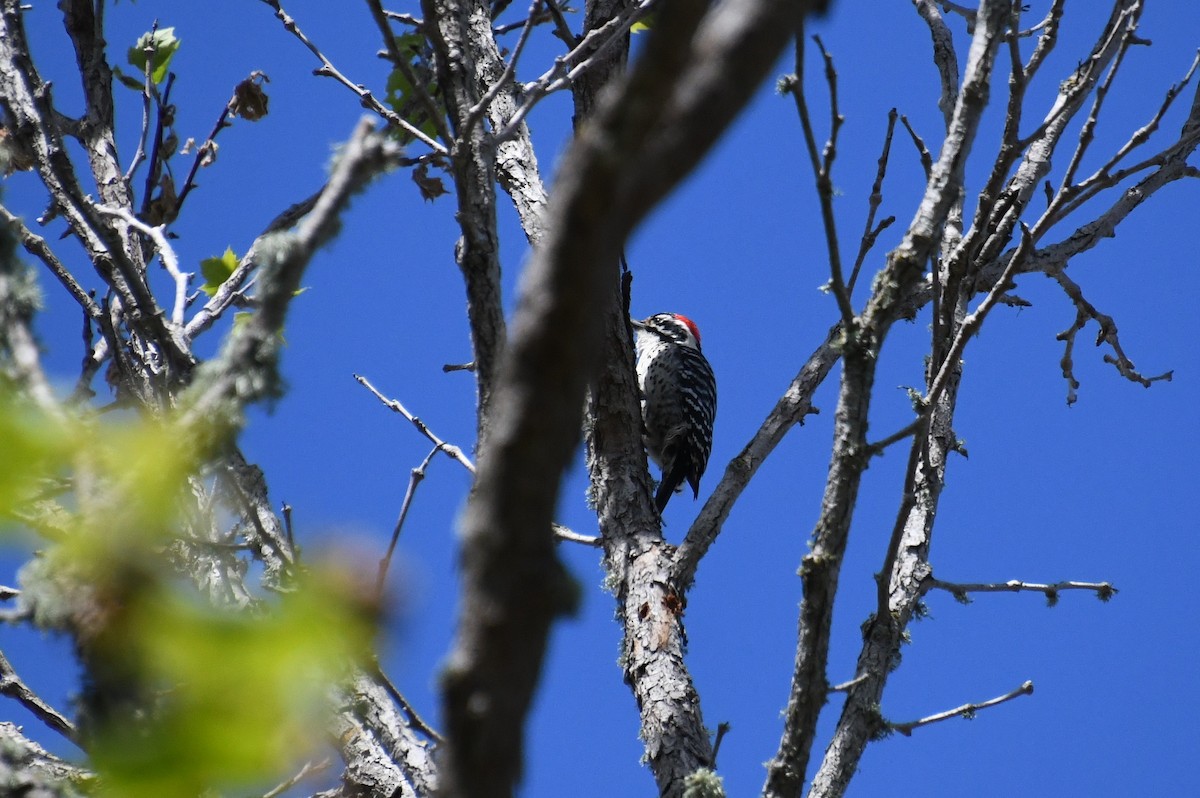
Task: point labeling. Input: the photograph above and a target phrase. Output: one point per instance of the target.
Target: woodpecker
(679, 401)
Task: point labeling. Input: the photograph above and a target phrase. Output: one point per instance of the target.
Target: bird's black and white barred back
(679, 401)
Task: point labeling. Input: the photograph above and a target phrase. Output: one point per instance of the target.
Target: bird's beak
(637, 325)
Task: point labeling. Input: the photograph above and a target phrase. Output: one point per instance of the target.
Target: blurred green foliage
(224, 697)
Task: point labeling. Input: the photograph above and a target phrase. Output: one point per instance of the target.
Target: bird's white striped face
(672, 328)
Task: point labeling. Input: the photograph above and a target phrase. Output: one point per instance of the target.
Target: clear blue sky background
(1103, 490)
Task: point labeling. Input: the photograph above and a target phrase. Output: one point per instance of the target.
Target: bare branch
(433, 110)
(1085, 311)
(820, 568)
(822, 166)
(32, 770)
(414, 479)
(308, 770)
(148, 94)
(12, 686)
(1071, 196)
(905, 432)
(590, 51)
(971, 324)
(960, 590)
(1046, 42)
(36, 245)
(919, 143)
(944, 56)
(844, 687)
(453, 452)
(414, 718)
(165, 251)
(965, 711)
(369, 101)
(870, 231)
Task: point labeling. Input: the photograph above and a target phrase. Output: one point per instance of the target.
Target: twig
(822, 167)
(561, 29)
(309, 769)
(451, 451)
(405, 19)
(919, 143)
(455, 453)
(154, 172)
(973, 322)
(870, 231)
(1085, 311)
(147, 89)
(413, 717)
(166, 254)
(907, 431)
(1103, 590)
(569, 67)
(327, 69)
(965, 711)
(722, 729)
(286, 511)
(1071, 197)
(844, 687)
(235, 285)
(401, 63)
(563, 533)
(1046, 42)
(203, 152)
(543, 17)
(12, 686)
(36, 245)
(414, 479)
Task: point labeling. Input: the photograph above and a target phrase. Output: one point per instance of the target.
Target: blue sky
(1097, 491)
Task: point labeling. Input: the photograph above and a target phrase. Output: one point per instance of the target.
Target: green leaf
(163, 44)
(402, 97)
(217, 270)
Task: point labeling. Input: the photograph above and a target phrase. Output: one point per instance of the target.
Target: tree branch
(1103, 590)
(967, 711)
(456, 28)
(822, 167)
(365, 96)
(12, 686)
(820, 569)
